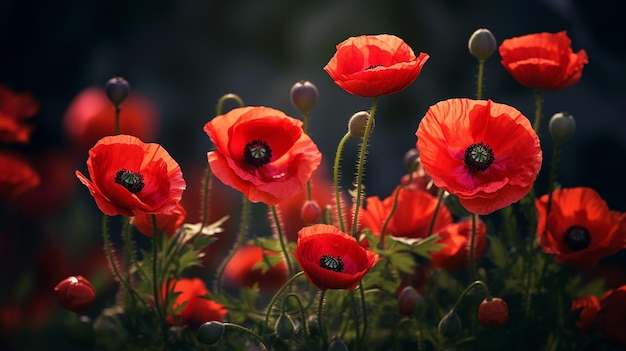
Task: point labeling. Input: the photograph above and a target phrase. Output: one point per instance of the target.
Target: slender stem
(479, 84)
(361, 165)
(157, 281)
(431, 227)
(469, 287)
(538, 103)
(226, 97)
(320, 318)
(363, 311)
(117, 119)
(551, 183)
(276, 295)
(302, 315)
(336, 181)
(305, 129)
(250, 332)
(205, 198)
(243, 229)
(356, 320)
(472, 243)
(281, 239)
(383, 229)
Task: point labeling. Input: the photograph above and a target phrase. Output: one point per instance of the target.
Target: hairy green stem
(472, 249)
(250, 332)
(431, 227)
(276, 295)
(241, 235)
(470, 287)
(226, 97)
(479, 83)
(281, 239)
(538, 103)
(340, 146)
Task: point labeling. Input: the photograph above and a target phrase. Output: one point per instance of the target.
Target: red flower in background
(332, 259)
(75, 293)
(166, 222)
(543, 60)
(198, 308)
(129, 175)
(16, 175)
(242, 271)
(589, 307)
(374, 65)
(610, 318)
(15, 108)
(580, 229)
(485, 153)
(262, 153)
(456, 238)
(411, 219)
(91, 116)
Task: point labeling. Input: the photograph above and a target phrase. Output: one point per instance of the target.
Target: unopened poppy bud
(336, 344)
(409, 158)
(75, 293)
(284, 327)
(561, 126)
(358, 123)
(117, 90)
(450, 324)
(304, 95)
(210, 333)
(310, 212)
(482, 44)
(409, 300)
(493, 312)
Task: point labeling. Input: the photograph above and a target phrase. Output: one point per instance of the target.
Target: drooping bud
(304, 95)
(561, 126)
(409, 159)
(311, 212)
(482, 44)
(493, 312)
(117, 90)
(284, 327)
(409, 300)
(450, 324)
(75, 293)
(336, 344)
(210, 333)
(358, 123)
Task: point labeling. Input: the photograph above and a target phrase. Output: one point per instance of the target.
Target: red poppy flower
(374, 65)
(166, 222)
(262, 153)
(610, 317)
(240, 272)
(543, 60)
(91, 116)
(15, 108)
(456, 238)
(589, 307)
(485, 153)
(411, 219)
(580, 229)
(129, 175)
(198, 308)
(332, 259)
(16, 176)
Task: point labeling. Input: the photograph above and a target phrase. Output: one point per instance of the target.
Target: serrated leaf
(419, 246)
(403, 261)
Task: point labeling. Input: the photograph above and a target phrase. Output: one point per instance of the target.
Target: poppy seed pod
(409, 158)
(117, 90)
(562, 125)
(304, 95)
(450, 324)
(210, 333)
(482, 44)
(358, 123)
(75, 293)
(284, 327)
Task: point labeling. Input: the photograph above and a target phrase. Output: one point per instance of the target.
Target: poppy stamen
(132, 181)
(373, 66)
(332, 263)
(577, 238)
(257, 153)
(478, 157)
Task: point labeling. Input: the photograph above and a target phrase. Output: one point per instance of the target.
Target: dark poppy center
(478, 157)
(132, 181)
(577, 238)
(257, 153)
(373, 66)
(332, 263)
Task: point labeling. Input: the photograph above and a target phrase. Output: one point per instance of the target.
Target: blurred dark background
(184, 55)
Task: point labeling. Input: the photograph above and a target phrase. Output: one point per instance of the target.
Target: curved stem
(276, 295)
(479, 84)
(302, 315)
(469, 287)
(361, 165)
(340, 146)
(243, 229)
(538, 103)
(281, 239)
(431, 227)
(250, 332)
(320, 318)
(383, 229)
(472, 243)
(226, 97)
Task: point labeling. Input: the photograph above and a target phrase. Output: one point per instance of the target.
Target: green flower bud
(304, 95)
(358, 123)
(117, 90)
(561, 126)
(284, 327)
(482, 44)
(336, 344)
(409, 158)
(210, 333)
(450, 324)
(409, 301)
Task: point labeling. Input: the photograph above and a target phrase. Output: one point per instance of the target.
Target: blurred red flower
(129, 175)
(75, 293)
(543, 60)
(374, 65)
(456, 238)
(16, 175)
(332, 259)
(166, 222)
(589, 307)
(485, 153)
(240, 272)
(91, 116)
(262, 153)
(580, 229)
(15, 108)
(198, 308)
(610, 318)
